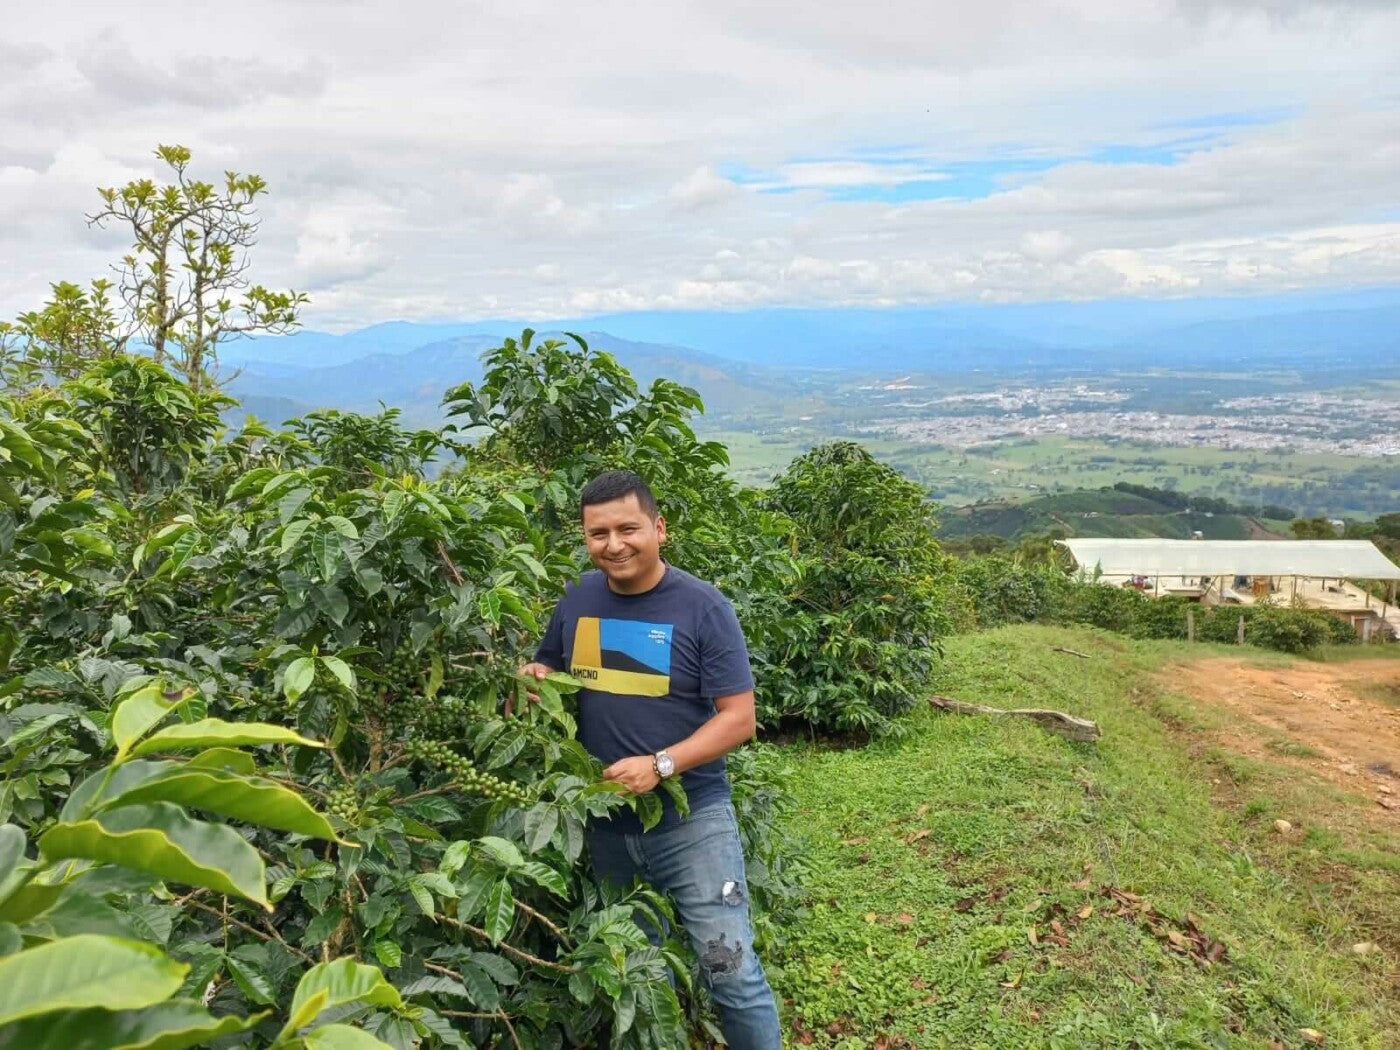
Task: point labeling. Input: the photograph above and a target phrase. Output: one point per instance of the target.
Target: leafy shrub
(873, 597)
(1000, 590)
(761, 779)
(1294, 629)
(317, 581)
(1110, 608)
(76, 970)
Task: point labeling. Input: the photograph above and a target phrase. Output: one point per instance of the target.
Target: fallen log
(1072, 652)
(1051, 721)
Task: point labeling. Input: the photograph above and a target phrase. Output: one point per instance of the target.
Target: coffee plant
(389, 840)
(872, 596)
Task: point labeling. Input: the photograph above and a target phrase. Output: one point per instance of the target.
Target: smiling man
(667, 692)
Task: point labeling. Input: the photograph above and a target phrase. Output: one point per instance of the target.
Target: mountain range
(744, 359)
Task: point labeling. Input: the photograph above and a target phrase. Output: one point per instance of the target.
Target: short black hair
(618, 484)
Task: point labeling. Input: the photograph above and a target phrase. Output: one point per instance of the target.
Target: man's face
(625, 542)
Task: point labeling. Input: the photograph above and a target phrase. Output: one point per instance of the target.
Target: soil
(1337, 721)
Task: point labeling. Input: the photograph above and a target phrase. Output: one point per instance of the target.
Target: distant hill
(314, 370)
(1102, 513)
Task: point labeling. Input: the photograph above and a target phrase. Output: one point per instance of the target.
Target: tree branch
(1051, 721)
(272, 935)
(509, 949)
(546, 923)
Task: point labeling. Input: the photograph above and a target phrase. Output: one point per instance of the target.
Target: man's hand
(637, 774)
(536, 670)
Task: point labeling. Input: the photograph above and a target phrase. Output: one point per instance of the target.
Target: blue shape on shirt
(647, 643)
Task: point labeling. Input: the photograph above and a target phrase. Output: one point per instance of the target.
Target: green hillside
(981, 883)
(1104, 512)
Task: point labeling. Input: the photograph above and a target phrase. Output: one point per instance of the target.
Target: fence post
(1239, 631)
(1190, 625)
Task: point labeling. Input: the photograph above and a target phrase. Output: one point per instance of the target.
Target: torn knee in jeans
(720, 959)
(732, 893)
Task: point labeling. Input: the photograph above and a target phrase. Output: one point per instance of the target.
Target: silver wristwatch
(664, 764)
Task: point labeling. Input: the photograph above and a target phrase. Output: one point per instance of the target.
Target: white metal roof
(1358, 559)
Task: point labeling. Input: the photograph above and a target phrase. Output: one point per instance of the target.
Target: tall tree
(185, 281)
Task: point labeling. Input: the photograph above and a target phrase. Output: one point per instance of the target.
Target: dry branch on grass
(1052, 721)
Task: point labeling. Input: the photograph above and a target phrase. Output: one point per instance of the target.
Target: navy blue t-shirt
(651, 666)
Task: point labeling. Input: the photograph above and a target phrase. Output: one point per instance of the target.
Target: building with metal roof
(1330, 559)
(1317, 573)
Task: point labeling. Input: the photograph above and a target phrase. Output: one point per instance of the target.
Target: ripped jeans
(699, 864)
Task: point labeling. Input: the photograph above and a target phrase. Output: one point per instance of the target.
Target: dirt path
(1338, 721)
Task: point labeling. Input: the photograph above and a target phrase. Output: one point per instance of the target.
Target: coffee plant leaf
(430, 1022)
(543, 875)
(140, 712)
(253, 982)
(85, 971)
(216, 732)
(328, 985)
(541, 821)
(11, 851)
(172, 1025)
(341, 670)
(480, 988)
(502, 851)
(342, 1037)
(254, 800)
(297, 677)
(22, 903)
(500, 911)
(649, 810)
(224, 758)
(161, 839)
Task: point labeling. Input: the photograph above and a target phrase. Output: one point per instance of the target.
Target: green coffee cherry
(344, 802)
(465, 773)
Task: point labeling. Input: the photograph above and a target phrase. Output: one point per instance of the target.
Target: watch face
(665, 764)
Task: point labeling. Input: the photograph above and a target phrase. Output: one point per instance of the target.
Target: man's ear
(660, 529)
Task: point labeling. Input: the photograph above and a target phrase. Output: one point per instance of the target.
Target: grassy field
(1316, 483)
(985, 884)
(754, 458)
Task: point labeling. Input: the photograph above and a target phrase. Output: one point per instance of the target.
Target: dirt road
(1339, 721)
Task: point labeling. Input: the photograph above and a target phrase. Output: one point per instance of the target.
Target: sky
(449, 159)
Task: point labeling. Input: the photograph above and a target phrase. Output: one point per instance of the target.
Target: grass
(754, 459)
(1338, 654)
(1387, 694)
(947, 865)
(1292, 748)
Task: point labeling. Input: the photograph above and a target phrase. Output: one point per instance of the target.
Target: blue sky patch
(895, 175)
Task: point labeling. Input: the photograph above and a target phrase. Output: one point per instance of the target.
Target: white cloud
(446, 160)
(338, 241)
(701, 188)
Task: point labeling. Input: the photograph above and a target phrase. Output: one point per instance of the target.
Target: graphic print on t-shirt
(627, 657)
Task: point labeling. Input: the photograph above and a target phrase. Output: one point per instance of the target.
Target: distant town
(1304, 422)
